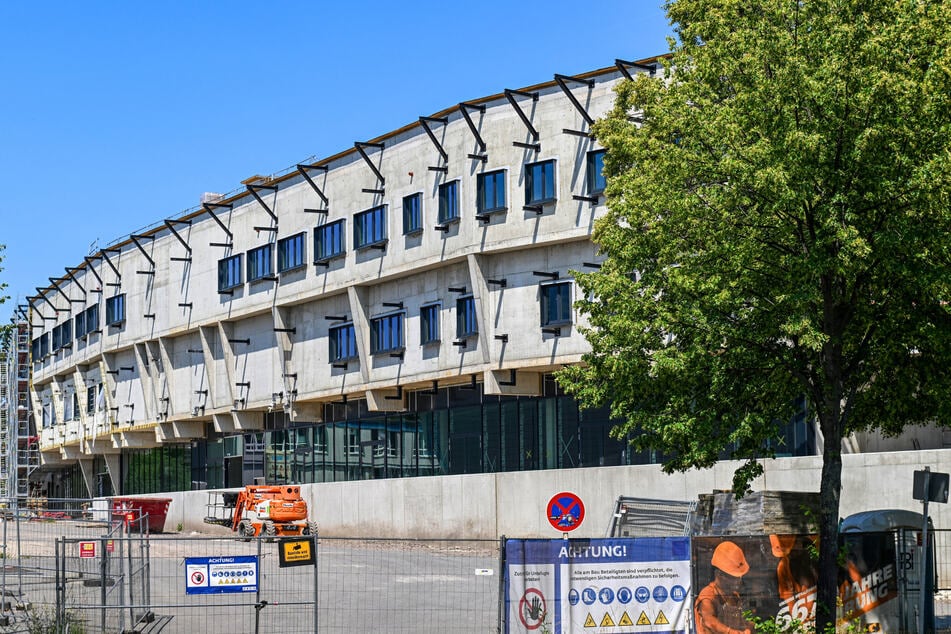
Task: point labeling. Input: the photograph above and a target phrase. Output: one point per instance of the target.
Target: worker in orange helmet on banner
(718, 608)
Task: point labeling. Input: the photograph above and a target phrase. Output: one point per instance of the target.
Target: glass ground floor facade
(456, 430)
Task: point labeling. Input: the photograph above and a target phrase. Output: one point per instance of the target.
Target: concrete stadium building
(395, 310)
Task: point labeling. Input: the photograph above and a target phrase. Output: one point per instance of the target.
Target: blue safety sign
(213, 575)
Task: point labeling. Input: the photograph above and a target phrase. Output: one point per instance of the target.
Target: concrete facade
(487, 506)
(187, 358)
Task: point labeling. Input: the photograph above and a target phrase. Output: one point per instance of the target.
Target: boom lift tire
(270, 530)
(245, 530)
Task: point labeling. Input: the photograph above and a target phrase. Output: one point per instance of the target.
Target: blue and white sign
(213, 575)
(635, 586)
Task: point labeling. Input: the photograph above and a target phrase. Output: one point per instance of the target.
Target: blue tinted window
(556, 304)
(369, 227)
(490, 189)
(343, 343)
(229, 275)
(79, 324)
(328, 241)
(92, 318)
(290, 253)
(449, 201)
(115, 310)
(429, 323)
(412, 214)
(594, 172)
(386, 333)
(466, 323)
(259, 263)
(540, 182)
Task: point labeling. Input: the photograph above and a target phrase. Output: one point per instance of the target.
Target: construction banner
(773, 577)
(566, 586)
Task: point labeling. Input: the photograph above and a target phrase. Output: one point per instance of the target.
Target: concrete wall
(486, 506)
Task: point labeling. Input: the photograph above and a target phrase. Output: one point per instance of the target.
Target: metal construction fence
(70, 569)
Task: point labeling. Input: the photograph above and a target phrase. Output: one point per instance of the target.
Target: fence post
(103, 563)
(3, 590)
(60, 603)
(314, 537)
(258, 605)
(499, 621)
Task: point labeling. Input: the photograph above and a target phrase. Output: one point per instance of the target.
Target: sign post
(927, 487)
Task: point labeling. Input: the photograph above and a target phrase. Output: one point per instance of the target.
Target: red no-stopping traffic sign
(565, 511)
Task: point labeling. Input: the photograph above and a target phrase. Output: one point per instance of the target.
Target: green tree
(777, 227)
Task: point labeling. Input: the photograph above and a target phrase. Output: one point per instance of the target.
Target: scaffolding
(19, 449)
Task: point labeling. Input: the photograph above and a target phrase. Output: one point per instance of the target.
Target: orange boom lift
(267, 510)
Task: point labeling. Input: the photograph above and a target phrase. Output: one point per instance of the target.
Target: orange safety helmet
(729, 558)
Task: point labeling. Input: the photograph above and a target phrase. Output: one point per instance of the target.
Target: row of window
(290, 256)
(85, 322)
(94, 403)
(387, 331)
(369, 227)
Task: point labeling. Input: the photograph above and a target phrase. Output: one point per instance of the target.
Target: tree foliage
(777, 228)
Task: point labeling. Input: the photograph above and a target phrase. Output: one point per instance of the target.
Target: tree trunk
(829, 494)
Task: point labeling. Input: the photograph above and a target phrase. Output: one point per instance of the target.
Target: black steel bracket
(562, 81)
(169, 222)
(209, 208)
(623, 66)
(135, 239)
(464, 108)
(302, 169)
(510, 95)
(253, 190)
(361, 148)
(425, 121)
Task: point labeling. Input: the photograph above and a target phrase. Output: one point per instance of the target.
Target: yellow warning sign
(590, 622)
(625, 620)
(295, 552)
(607, 621)
(661, 619)
(643, 619)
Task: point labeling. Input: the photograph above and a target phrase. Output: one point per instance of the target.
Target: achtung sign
(296, 552)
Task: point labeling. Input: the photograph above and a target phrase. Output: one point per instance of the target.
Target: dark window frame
(382, 336)
(292, 252)
(369, 228)
(79, 324)
(349, 351)
(413, 214)
(559, 314)
(595, 181)
(548, 178)
(330, 234)
(260, 263)
(494, 179)
(92, 318)
(230, 272)
(467, 322)
(429, 326)
(115, 309)
(448, 196)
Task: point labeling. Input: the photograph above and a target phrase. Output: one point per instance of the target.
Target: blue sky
(115, 115)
